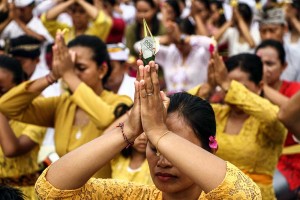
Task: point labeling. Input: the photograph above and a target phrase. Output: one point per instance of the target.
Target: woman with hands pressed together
(80, 114)
(180, 153)
(250, 135)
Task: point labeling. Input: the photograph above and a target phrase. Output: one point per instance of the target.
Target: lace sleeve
(236, 185)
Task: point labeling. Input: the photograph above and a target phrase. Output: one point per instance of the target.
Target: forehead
(5, 74)
(238, 75)
(82, 52)
(179, 126)
(271, 26)
(267, 53)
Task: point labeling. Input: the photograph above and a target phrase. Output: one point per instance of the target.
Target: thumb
(165, 99)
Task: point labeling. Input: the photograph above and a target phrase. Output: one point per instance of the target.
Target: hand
(153, 102)
(134, 122)
(173, 31)
(220, 71)
(63, 59)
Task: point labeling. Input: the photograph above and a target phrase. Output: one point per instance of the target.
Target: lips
(164, 177)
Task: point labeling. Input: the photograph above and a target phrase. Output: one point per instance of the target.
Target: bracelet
(157, 151)
(121, 125)
(50, 79)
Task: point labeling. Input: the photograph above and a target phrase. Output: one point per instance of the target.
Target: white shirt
(182, 76)
(127, 87)
(292, 72)
(232, 36)
(12, 30)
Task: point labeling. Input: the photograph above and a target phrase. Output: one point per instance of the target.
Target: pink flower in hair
(213, 144)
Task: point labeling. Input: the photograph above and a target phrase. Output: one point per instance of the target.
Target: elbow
(11, 153)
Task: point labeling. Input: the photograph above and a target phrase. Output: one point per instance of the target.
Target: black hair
(222, 18)
(196, 112)
(278, 46)
(245, 12)
(175, 6)
(10, 193)
(249, 63)
(154, 21)
(25, 46)
(98, 47)
(14, 66)
(3, 16)
(205, 3)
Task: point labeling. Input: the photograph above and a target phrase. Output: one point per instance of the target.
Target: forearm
(86, 160)
(274, 96)
(246, 33)
(295, 23)
(4, 24)
(207, 170)
(10, 144)
(289, 114)
(72, 80)
(60, 8)
(90, 9)
(201, 29)
(222, 30)
(30, 32)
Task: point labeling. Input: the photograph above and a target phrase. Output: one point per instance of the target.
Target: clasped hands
(150, 105)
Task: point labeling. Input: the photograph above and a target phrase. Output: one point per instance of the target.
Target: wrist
(50, 78)
(225, 85)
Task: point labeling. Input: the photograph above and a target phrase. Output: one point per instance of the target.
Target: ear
(284, 66)
(102, 70)
(260, 86)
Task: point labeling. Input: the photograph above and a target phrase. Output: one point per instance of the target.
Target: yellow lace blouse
(235, 185)
(257, 147)
(120, 170)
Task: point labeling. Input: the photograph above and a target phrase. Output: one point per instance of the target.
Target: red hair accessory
(213, 144)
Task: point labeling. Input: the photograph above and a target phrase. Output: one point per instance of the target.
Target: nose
(163, 162)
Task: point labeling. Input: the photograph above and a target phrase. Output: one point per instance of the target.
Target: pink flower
(213, 144)
(211, 48)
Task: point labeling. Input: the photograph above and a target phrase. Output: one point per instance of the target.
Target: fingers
(165, 99)
(136, 93)
(148, 81)
(154, 77)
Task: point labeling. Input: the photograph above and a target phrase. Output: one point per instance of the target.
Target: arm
(222, 30)
(83, 162)
(58, 9)
(200, 26)
(289, 115)
(22, 103)
(11, 145)
(28, 31)
(243, 28)
(90, 9)
(274, 96)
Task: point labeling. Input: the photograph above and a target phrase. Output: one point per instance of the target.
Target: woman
(19, 141)
(287, 178)
(250, 135)
(187, 126)
(242, 37)
(86, 19)
(145, 9)
(82, 113)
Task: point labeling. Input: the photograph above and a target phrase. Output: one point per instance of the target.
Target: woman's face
(140, 143)
(79, 17)
(243, 77)
(86, 68)
(165, 176)
(272, 65)
(215, 13)
(144, 11)
(6, 81)
(168, 12)
(198, 8)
